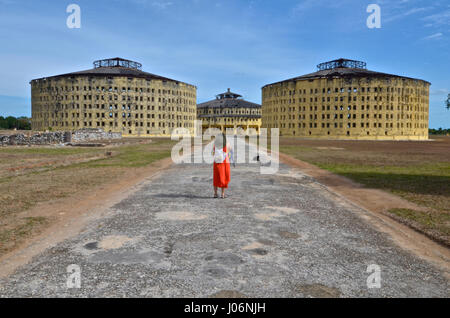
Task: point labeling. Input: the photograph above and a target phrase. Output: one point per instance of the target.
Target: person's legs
(215, 192)
(223, 192)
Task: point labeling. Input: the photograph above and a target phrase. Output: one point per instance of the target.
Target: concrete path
(279, 235)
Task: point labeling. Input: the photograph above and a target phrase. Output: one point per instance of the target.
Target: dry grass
(416, 171)
(29, 176)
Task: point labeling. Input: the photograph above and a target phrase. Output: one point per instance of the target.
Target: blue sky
(216, 44)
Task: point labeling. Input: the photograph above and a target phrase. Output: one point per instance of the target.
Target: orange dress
(222, 172)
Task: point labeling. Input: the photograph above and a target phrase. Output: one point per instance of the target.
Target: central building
(230, 111)
(117, 96)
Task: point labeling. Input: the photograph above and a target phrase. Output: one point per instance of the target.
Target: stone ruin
(92, 134)
(58, 137)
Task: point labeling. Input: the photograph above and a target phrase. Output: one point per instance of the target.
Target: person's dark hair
(221, 138)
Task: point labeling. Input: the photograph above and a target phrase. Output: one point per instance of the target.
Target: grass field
(34, 175)
(417, 171)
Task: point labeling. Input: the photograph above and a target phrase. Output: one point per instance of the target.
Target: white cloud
(303, 6)
(433, 36)
(162, 4)
(149, 3)
(405, 14)
(440, 92)
(438, 19)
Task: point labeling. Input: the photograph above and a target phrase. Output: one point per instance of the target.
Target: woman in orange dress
(221, 165)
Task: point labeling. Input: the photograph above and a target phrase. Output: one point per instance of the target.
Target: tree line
(19, 123)
(440, 131)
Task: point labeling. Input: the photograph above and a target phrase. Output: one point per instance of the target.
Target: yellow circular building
(230, 111)
(344, 100)
(117, 96)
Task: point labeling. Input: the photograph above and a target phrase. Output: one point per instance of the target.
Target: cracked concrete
(274, 236)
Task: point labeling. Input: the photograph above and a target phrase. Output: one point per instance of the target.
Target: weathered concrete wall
(94, 134)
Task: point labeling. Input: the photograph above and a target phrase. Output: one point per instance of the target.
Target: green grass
(425, 184)
(63, 151)
(129, 157)
(428, 221)
(420, 184)
(435, 169)
(135, 156)
(292, 150)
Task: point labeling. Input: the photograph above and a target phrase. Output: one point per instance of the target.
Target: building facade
(344, 100)
(230, 111)
(117, 96)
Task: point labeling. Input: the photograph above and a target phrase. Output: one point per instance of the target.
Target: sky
(220, 44)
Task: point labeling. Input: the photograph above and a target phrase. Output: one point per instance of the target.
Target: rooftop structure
(228, 94)
(118, 62)
(228, 99)
(114, 67)
(343, 68)
(341, 63)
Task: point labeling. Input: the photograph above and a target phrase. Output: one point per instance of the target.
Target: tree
(439, 131)
(20, 123)
(23, 123)
(448, 101)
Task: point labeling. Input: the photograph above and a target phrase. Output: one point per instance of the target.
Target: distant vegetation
(440, 131)
(19, 123)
